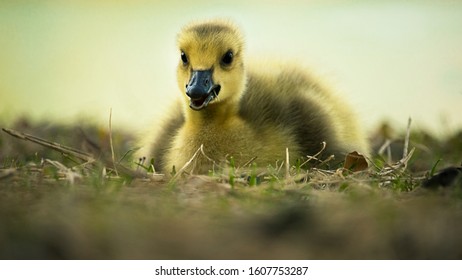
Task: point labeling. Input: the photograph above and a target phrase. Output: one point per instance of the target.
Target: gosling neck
(217, 113)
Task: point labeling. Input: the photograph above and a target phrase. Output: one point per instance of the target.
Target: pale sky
(62, 61)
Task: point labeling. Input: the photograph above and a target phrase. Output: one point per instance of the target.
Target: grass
(57, 205)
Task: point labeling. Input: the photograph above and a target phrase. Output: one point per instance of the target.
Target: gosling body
(250, 112)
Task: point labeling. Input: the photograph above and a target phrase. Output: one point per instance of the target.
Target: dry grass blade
(315, 156)
(406, 140)
(386, 146)
(55, 146)
(5, 173)
(187, 163)
(207, 157)
(388, 173)
(67, 172)
(110, 143)
(247, 164)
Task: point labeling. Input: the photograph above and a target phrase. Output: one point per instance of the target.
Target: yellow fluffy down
(261, 109)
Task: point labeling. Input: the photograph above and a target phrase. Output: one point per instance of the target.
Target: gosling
(246, 112)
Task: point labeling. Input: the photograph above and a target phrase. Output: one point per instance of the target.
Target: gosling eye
(227, 58)
(184, 58)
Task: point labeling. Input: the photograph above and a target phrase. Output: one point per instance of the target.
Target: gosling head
(210, 70)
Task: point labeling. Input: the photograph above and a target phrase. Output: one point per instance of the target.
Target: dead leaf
(355, 162)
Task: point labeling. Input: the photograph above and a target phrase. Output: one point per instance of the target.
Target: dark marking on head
(209, 29)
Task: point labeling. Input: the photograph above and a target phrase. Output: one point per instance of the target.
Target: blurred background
(71, 61)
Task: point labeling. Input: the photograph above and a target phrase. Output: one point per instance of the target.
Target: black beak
(201, 89)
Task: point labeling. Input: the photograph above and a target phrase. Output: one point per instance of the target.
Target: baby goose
(231, 109)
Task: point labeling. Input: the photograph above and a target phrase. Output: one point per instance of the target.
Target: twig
(86, 157)
(287, 164)
(55, 146)
(324, 144)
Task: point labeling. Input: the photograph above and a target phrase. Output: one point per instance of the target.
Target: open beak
(201, 89)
